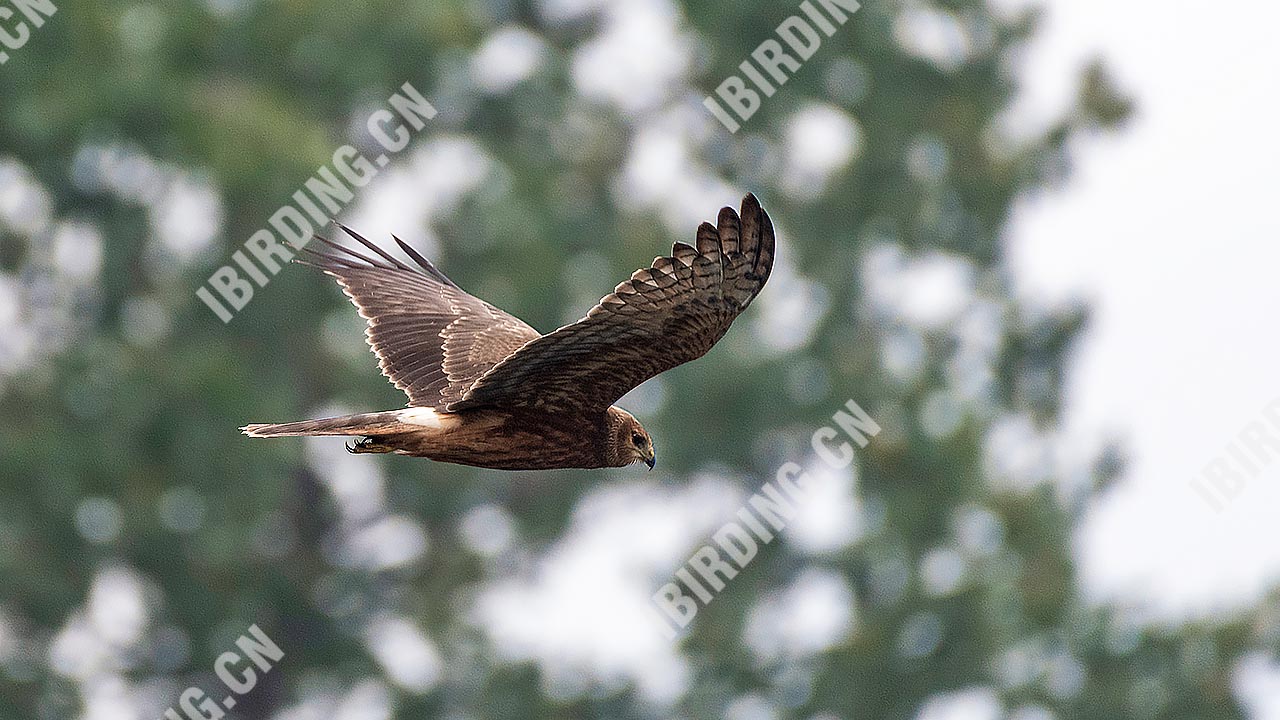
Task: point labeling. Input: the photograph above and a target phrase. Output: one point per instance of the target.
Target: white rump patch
(426, 417)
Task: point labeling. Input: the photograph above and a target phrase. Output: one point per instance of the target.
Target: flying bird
(486, 389)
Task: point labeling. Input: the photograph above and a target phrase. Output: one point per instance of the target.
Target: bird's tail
(361, 424)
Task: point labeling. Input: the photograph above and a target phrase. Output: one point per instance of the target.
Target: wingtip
(424, 263)
(295, 249)
(351, 232)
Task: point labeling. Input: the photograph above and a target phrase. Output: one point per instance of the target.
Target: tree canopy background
(141, 143)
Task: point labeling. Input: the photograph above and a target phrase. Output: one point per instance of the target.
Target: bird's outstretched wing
(432, 339)
(665, 315)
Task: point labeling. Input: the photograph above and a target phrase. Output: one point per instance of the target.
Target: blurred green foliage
(254, 96)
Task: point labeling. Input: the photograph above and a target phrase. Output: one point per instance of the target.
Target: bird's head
(629, 442)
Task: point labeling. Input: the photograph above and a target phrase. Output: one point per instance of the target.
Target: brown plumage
(485, 389)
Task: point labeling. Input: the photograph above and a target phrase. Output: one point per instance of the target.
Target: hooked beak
(651, 460)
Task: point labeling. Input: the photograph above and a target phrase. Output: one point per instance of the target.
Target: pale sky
(1168, 230)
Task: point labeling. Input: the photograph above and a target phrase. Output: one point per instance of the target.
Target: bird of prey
(487, 390)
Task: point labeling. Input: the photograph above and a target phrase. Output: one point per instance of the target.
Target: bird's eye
(638, 439)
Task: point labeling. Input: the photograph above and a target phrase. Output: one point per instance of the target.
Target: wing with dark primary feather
(664, 316)
(432, 339)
